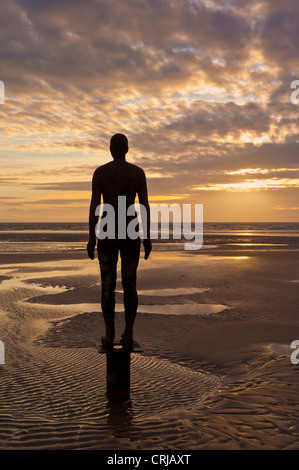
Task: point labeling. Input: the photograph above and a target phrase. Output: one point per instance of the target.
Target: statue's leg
(129, 252)
(108, 256)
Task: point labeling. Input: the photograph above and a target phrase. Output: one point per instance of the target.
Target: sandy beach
(215, 371)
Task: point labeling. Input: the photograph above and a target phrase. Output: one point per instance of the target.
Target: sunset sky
(202, 89)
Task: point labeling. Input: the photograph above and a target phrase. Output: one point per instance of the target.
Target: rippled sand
(206, 379)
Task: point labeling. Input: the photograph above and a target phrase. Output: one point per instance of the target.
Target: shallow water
(156, 309)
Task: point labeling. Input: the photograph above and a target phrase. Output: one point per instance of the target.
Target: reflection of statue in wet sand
(114, 179)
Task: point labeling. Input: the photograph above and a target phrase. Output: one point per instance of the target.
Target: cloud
(279, 208)
(201, 88)
(64, 186)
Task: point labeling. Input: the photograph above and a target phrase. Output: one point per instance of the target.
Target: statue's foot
(107, 342)
(127, 341)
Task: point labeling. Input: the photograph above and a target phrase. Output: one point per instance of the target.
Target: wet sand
(215, 373)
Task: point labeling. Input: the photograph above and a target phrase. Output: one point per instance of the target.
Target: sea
(73, 236)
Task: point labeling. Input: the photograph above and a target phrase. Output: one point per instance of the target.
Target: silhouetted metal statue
(114, 179)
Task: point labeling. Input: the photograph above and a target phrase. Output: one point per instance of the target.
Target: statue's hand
(90, 248)
(147, 244)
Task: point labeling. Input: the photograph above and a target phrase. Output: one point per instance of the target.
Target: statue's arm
(146, 219)
(93, 218)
